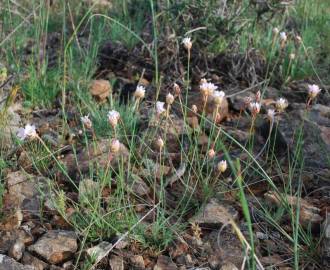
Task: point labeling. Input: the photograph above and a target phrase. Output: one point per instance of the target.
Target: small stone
(17, 249)
(28, 259)
(215, 213)
(165, 263)
(7, 263)
(98, 252)
(100, 89)
(116, 262)
(56, 246)
(138, 261)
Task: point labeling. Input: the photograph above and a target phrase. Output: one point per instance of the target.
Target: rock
(12, 221)
(116, 262)
(28, 259)
(68, 265)
(7, 239)
(309, 214)
(7, 263)
(326, 242)
(10, 127)
(165, 263)
(99, 155)
(228, 266)
(98, 252)
(100, 89)
(24, 192)
(56, 246)
(137, 261)
(215, 213)
(138, 186)
(16, 250)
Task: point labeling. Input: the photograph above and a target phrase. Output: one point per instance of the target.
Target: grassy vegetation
(63, 75)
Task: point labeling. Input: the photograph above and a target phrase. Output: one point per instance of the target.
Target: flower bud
(222, 166)
(194, 108)
(140, 92)
(169, 99)
(113, 118)
(160, 143)
(211, 153)
(187, 43)
(114, 146)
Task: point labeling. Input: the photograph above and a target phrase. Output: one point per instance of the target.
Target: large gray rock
(7, 263)
(56, 246)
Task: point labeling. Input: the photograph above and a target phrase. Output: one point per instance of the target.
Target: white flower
(255, 108)
(276, 30)
(207, 89)
(187, 43)
(177, 89)
(160, 108)
(271, 114)
(281, 104)
(292, 56)
(114, 146)
(222, 166)
(86, 121)
(29, 132)
(283, 36)
(313, 90)
(194, 108)
(113, 118)
(218, 97)
(169, 99)
(140, 92)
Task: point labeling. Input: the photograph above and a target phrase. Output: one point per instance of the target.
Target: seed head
(113, 118)
(114, 146)
(140, 92)
(313, 90)
(169, 99)
(222, 166)
(86, 121)
(187, 43)
(281, 104)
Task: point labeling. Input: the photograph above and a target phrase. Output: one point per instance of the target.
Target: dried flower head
(140, 92)
(113, 118)
(187, 43)
(160, 143)
(29, 132)
(177, 89)
(255, 108)
(247, 101)
(281, 104)
(271, 115)
(292, 56)
(313, 90)
(258, 96)
(160, 108)
(86, 121)
(207, 89)
(211, 153)
(276, 31)
(194, 108)
(283, 37)
(169, 99)
(298, 39)
(218, 97)
(114, 146)
(222, 166)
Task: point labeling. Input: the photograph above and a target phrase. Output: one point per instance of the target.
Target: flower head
(194, 108)
(211, 153)
(281, 104)
(177, 89)
(247, 101)
(29, 132)
(113, 118)
(275, 30)
(160, 143)
(313, 90)
(222, 166)
(114, 146)
(218, 97)
(207, 89)
(255, 108)
(160, 108)
(283, 36)
(292, 56)
(258, 96)
(187, 43)
(271, 114)
(169, 99)
(139, 92)
(299, 39)
(86, 121)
